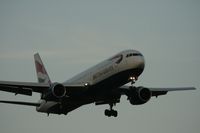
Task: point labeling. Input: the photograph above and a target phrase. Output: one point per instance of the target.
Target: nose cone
(140, 64)
(137, 63)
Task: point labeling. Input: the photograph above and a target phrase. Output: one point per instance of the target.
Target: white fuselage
(109, 67)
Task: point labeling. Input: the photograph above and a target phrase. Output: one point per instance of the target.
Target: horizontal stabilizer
(21, 103)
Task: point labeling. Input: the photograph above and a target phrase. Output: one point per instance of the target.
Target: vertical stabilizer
(42, 74)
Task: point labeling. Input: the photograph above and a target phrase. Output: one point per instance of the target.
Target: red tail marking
(40, 67)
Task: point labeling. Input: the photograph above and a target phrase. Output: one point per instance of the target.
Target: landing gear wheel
(114, 113)
(107, 113)
(111, 112)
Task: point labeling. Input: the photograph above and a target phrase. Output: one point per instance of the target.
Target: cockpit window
(133, 54)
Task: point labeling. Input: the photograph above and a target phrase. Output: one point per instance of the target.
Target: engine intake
(58, 90)
(55, 92)
(139, 95)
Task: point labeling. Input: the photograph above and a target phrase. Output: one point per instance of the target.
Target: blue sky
(71, 36)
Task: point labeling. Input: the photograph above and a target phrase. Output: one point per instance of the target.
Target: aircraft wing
(25, 88)
(159, 91)
(163, 91)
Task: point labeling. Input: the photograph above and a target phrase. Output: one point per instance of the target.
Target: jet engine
(139, 95)
(55, 92)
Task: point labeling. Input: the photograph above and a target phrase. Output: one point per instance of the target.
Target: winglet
(42, 74)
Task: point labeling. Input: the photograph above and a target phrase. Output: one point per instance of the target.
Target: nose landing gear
(133, 80)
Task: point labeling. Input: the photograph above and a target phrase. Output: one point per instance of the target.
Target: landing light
(132, 78)
(86, 84)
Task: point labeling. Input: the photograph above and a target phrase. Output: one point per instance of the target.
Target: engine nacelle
(139, 95)
(56, 91)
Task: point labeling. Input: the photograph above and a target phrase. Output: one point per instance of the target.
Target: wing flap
(21, 103)
(25, 88)
(16, 90)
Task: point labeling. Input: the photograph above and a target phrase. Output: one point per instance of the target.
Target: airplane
(101, 84)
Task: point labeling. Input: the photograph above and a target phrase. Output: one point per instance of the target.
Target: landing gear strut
(110, 112)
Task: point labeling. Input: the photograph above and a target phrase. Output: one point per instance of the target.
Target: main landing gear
(110, 112)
